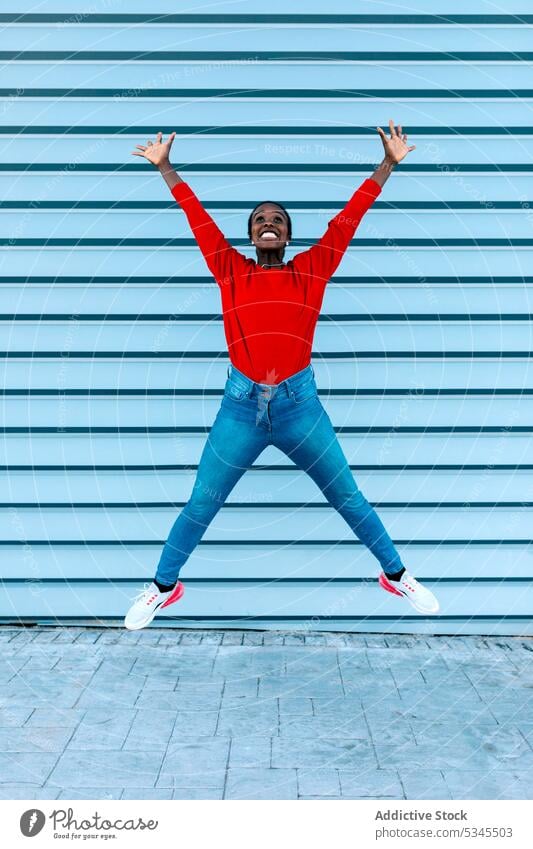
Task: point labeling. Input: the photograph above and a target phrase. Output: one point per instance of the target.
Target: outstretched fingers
(143, 149)
(140, 150)
(404, 139)
(392, 128)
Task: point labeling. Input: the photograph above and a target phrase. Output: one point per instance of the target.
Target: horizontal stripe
(258, 18)
(217, 393)
(262, 581)
(258, 130)
(259, 94)
(265, 56)
(222, 355)
(237, 505)
(258, 543)
(191, 242)
(325, 318)
(340, 429)
(178, 467)
(244, 205)
(201, 280)
(55, 620)
(262, 167)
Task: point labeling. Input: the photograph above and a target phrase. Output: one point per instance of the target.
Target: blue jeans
(290, 416)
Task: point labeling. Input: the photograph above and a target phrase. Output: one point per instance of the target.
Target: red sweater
(270, 314)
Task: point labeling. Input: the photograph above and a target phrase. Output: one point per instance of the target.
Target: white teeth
(269, 235)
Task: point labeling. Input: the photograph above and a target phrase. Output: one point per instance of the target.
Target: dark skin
(268, 215)
(270, 218)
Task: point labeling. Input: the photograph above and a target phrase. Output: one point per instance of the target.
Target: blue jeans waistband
(290, 382)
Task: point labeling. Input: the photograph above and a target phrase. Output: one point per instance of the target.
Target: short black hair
(275, 203)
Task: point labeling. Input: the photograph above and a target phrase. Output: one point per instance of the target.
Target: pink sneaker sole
(386, 584)
(175, 595)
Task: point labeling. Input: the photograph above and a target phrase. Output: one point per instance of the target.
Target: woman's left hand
(396, 147)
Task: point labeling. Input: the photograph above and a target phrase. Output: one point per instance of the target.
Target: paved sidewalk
(103, 713)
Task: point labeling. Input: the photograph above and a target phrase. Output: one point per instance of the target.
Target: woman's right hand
(158, 152)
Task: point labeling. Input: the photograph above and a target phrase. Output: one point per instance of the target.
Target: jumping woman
(270, 310)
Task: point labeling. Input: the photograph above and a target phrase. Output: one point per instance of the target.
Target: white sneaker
(419, 596)
(147, 603)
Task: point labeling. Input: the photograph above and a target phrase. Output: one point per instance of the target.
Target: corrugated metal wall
(113, 353)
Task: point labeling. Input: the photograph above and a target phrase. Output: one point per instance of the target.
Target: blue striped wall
(112, 348)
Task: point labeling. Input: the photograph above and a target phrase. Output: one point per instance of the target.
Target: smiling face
(269, 227)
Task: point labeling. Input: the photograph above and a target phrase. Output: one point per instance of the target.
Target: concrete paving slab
(211, 714)
(256, 783)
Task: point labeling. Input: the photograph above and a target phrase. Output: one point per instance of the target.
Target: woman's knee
(204, 501)
(354, 500)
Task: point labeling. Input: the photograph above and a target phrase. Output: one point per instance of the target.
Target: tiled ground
(95, 713)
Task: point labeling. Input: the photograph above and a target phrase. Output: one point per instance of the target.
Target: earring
(287, 243)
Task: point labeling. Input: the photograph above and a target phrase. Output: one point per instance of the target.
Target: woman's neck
(269, 259)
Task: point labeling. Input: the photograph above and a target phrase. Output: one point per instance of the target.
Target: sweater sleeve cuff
(182, 191)
(370, 187)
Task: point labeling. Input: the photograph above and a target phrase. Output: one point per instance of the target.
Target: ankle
(164, 588)
(395, 576)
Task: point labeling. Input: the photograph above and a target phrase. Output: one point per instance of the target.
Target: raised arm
(395, 147)
(321, 261)
(222, 259)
